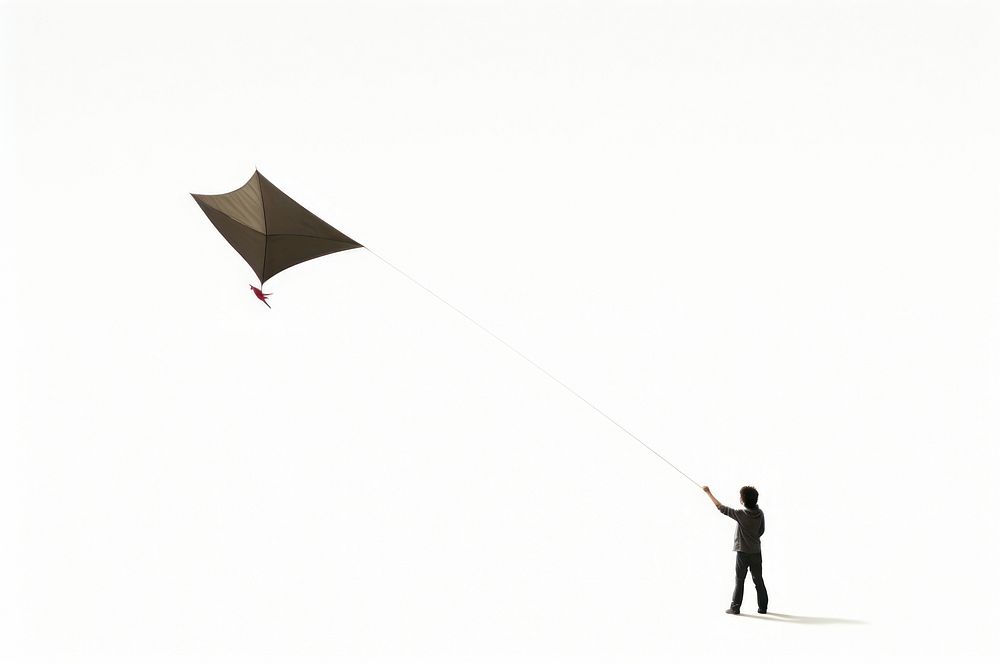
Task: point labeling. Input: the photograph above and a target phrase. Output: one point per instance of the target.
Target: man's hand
(710, 496)
(706, 489)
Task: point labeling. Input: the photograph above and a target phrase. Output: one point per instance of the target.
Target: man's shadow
(805, 620)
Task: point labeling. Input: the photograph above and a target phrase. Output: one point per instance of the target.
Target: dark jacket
(749, 528)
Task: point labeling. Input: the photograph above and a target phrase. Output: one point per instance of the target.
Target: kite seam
(263, 214)
(303, 236)
(321, 238)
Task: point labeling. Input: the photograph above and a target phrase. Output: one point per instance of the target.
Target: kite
(270, 230)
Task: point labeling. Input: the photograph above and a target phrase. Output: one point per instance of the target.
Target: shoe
(762, 611)
(733, 611)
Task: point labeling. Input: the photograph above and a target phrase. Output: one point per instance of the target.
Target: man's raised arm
(731, 513)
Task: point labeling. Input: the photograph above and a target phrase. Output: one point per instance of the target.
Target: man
(746, 544)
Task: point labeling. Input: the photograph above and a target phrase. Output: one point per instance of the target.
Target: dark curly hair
(748, 495)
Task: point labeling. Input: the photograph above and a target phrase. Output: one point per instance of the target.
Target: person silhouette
(746, 544)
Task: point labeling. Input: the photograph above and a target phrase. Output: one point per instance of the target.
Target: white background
(762, 235)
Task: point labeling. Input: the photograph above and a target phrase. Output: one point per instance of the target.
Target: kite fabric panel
(269, 229)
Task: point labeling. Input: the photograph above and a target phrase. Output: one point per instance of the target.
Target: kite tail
(259, 293)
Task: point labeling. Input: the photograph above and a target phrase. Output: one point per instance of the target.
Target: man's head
(748, 496)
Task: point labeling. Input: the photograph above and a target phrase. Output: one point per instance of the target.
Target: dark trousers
(745, 561)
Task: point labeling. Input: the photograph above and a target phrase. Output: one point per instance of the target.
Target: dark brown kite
(269, 229)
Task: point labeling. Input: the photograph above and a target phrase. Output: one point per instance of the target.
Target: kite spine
(263, 215)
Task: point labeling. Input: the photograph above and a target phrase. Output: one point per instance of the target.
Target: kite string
(530, 361)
